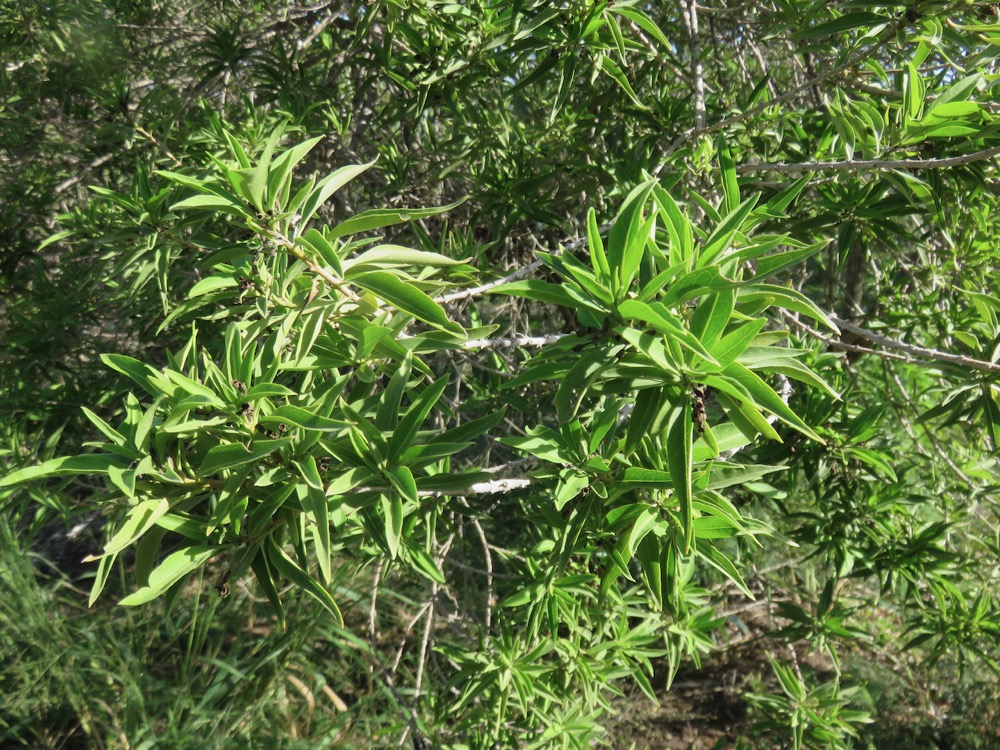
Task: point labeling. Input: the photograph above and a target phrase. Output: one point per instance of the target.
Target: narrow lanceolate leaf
(764, 396)
(679, 433)
(317, 243)
(598, 258)
(282, 167)
(625, 232)
(395, 256)
(151, 381)
(387, 416)
(544, 291)
(643, 414)
(377, 218)
(710, 554)
(407, 298)
(330, 185)
(392, 509)
(712, 316)
(406, 432)
(267, 578)
(170, 571)
(722, 236)
(101, 578)
(788, 298)
(402, 479)
(282, 564)
(138, 521)
(609, 66)
(734, 343)
(664, 321)
(93, 463)
(847, 22)
(236, 454)
(302, 418)
(730, 185)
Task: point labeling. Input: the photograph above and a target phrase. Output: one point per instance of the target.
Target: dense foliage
(449, 372)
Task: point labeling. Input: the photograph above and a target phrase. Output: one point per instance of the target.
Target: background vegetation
(487, 375)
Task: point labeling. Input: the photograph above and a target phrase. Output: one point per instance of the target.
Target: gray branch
(858, 166)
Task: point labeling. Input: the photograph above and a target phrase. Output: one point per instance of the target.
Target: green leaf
(377, 218)
(678, 227)
(598, 258)
(213, 203)
(212, 284)
(314, 240)
(574, 385)
(90, 463)
(769, 265)
(544, 291)
(790, 299)
(249, 184)
(744, 414)
(286, 566)
(236, 454)
(392, 511)
(150, 380)
(611, 68)
(647, 406)
(282, 167)
(424, 564)
(734, 343)
(315, 503)
(664, 321)
(267, 390)
(402, 479)
(473, 428)
(107, 430)
(404, 435)
(913, 92)
(724, 234)
(302, 418)
(643, 21)
(101, 578)
(730, 185)
(396, 256)
(387, 416)
(764, 396)
(407, 298)
(847, 22)
(268, 581)
(328, 186)
(710, 554)
(678, 445)
(711, 318)
(169, 572)
(696, 283)
(626, 240)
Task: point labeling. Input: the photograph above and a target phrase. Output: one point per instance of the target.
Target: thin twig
(476, 291)
(317, 269)
(503, 343)
(851, 62)
(488, 617)
(858, 166)
(520, 273)
(152, 139)
(911, 354)
(913, 350)
(689, 14)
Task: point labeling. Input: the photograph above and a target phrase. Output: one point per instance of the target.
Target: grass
(212, 673)
(207, 673)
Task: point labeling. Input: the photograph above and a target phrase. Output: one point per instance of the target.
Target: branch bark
(851, 62)
(857, 166)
